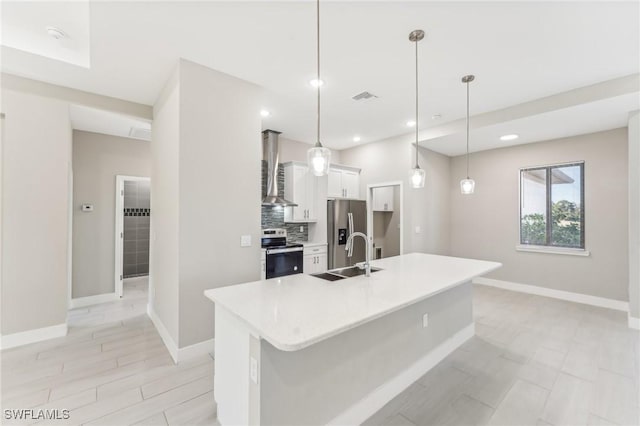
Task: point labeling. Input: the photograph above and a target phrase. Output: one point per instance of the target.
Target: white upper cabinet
(344, 182)
(300, 186)
(383, 199)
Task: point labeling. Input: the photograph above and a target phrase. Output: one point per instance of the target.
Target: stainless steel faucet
(349, 249)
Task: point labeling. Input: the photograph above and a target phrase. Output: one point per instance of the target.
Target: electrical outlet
(253, 370)
(245, 241)
(425, 321)
(301, 228)
(418, 230)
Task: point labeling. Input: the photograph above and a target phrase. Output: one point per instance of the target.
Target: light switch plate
(245, 241)
(425, 320)
(418, 229)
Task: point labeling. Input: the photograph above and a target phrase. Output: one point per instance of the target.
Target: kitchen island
(301, 350)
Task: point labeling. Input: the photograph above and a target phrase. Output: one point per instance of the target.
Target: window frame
(548, 246)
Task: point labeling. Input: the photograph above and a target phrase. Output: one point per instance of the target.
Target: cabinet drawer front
(315, 250)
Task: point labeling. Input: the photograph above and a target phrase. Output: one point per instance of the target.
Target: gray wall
(97, 159)
(485, 225)
(427, 208)
(313, 385)
(37, 172)
(634, 214)
(386, 234)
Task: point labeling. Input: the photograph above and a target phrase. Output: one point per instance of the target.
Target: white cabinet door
(299, 193)
(343, 184)
(309, 264)
(334, 189)
(383, 199)
(321, 264)
(311, 186)
(300, 187)
(315, 259)
(351, 184)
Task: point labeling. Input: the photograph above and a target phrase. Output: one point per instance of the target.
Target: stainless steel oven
(281, 258)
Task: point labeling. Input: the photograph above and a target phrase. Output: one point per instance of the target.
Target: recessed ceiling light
(436, 117)
(56, 33)
(411, 123)
(316, 83)
(265, 113)
(510, 137)
(356, 138)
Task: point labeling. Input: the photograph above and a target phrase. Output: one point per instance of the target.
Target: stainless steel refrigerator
(343, 218)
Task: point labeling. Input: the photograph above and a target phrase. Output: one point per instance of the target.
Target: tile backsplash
(273, 216)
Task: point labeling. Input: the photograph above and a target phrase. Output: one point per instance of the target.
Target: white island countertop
(296, 311)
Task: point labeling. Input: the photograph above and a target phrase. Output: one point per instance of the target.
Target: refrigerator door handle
(350, 245)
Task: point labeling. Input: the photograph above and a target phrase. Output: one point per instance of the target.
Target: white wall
(206, 170)
(97, 159)
(634, 214)
(35, 198)
(220, 191)
(292, 150)
(427, 208)
(35, 192)
(165, 198)
(485, 225)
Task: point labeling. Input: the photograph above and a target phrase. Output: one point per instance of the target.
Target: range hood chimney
(270, 142)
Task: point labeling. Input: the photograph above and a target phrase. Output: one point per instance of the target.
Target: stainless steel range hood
(270, 146)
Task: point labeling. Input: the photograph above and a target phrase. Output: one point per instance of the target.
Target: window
(552, 206)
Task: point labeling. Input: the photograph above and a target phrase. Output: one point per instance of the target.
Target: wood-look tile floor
(534, 361)
(111, 369)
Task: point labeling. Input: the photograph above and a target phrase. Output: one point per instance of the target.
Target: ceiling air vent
(364, 96)
(140, 133)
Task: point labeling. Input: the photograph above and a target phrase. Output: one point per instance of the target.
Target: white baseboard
(634, 322)
(192, 351)
(80, 302)
(370, 404)
(585, 299)
(172, 347)
(32, 336)
(179, 354)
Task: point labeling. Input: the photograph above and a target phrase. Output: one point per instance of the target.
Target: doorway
(384, 219)
(133, 215)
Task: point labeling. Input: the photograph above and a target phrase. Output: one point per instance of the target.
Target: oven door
(285, 261)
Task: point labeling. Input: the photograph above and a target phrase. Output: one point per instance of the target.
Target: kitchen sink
(342, 273)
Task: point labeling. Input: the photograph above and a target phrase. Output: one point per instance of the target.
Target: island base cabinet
(343, 379)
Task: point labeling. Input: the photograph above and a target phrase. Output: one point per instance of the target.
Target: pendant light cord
(416, 43)
(318, 67)
(467, 129)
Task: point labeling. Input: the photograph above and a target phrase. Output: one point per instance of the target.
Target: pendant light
(416, 174)
(318, 157)
(467, 185)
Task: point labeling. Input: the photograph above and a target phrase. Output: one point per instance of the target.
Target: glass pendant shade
(467, 186)
(319, 159)
(417, 177)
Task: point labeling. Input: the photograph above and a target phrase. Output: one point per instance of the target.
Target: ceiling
(519, 52)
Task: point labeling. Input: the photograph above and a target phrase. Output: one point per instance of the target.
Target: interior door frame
(118, 274)
(370, 188)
